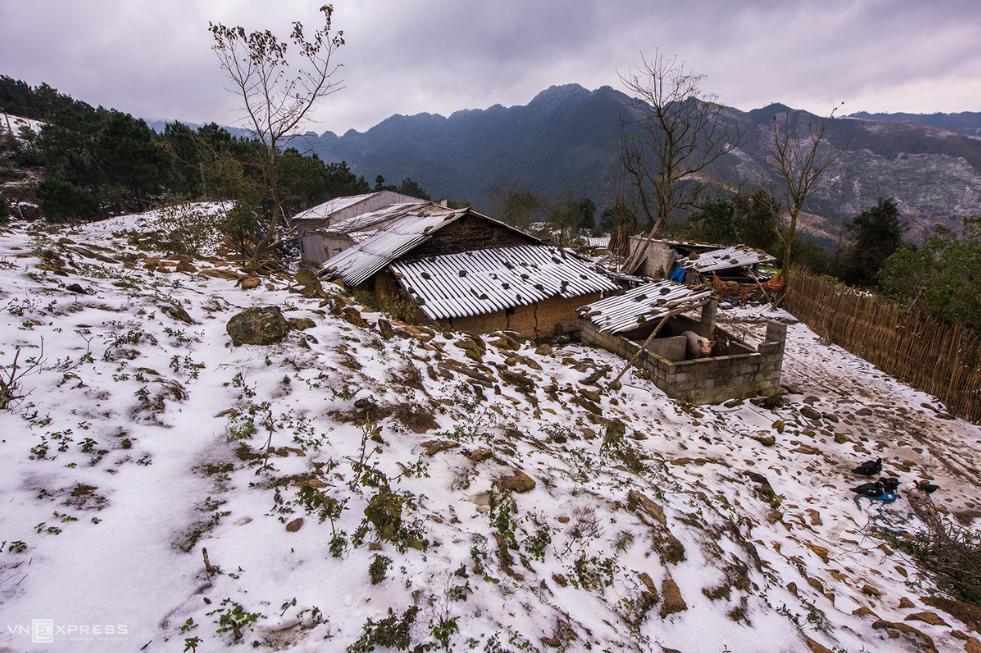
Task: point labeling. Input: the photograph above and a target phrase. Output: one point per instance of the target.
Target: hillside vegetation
(368, 485)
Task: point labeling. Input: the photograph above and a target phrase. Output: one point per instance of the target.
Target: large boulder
(261, 325)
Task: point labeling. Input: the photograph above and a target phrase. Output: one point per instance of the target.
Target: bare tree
(566, 212)
(513, 203)
(276, 101)
(796, 149)
(675, 133)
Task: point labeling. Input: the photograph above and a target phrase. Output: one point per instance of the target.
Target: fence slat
(929, 355)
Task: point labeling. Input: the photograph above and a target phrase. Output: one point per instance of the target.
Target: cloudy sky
(154, 59)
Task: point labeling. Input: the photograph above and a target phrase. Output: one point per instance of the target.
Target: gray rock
(262, 325)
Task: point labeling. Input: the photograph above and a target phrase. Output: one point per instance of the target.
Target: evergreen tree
(755, 219)
(944, 277)
(874, 235)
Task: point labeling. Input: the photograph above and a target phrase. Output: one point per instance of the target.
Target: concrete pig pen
(741, 373)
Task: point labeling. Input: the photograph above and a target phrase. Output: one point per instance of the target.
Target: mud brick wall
(535, 321)
(479, 323)
(707, 380)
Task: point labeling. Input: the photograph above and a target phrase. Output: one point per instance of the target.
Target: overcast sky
(154, 59)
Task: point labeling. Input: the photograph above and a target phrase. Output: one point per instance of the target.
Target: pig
(698, 347)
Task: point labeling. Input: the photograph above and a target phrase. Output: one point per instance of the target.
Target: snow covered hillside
(365, 485)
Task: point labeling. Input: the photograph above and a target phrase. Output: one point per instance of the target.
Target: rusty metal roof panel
(484, 281)
(723, 259)
(642, 304)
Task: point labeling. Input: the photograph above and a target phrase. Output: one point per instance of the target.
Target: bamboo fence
(941, 359)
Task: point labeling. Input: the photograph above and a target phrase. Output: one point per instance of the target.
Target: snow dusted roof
(360, 224)
(488, 280)
(342, 208)
(642, 304)
(328, 208)
(730, 257)
(357, 264)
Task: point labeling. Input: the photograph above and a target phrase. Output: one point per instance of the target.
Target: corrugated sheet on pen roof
(642, 305)
(488, 280)
(723, 259)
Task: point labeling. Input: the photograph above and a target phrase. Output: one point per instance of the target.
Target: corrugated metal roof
(325, 210)
(642, 304)
(730, 257)
(357, 264)
(363, 223)
(488, 280)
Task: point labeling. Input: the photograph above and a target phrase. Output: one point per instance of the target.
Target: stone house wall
(706, 380)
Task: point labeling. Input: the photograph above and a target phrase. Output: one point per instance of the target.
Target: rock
(647, 505)
(671, 600)
(868, 590)
(176, 312)
(931, 618)
(972, 645)
(295, 525)
(864, 612)
(217, 273)
(820, 551)
(560, 580)
(301, 323)
(518, 482)
(506, 342)
(473, 346)
(262, 325)
(544, 350)
(433, 447)
(184, 266)
(810, 413)
(75, 288)
(481, 455)
(815, 647)
(918, 637)
(863, 412)
(969, 614)
(554, 642)
(353, 317)
(248, 283)
(765, 440)
(670, 547)
(905, 603)
(385, 328)
(648, 582)
(516, 379)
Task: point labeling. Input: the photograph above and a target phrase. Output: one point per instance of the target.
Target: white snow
(123, 447)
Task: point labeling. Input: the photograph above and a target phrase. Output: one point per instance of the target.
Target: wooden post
(646, 342)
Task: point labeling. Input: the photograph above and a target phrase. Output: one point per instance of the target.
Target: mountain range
(567, 137)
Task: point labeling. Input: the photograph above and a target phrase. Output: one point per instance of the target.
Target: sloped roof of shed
(325, 210)
(357, 264)
(642, 304)
(488, 280)
(365, 221)
(735, 256)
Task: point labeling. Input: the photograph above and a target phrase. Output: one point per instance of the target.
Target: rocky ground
(359, 484)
